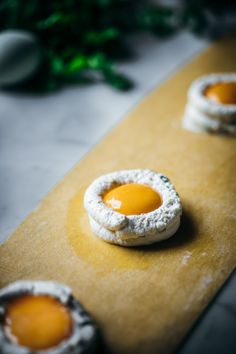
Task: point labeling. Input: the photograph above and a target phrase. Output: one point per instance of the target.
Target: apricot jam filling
(223, 93)
(37, 322)
(132, 199)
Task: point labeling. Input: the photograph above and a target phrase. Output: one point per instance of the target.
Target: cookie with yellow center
(211, 104)
(133, 207)
(43, 316)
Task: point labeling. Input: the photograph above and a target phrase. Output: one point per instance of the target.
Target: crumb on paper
(207, 280)
(186, 257)
(199, 290)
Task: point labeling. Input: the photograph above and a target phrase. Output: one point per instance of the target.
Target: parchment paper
(143, 299)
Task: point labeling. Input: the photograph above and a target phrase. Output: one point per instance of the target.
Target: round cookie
(202, 113)
(83, 339)
(133, 230)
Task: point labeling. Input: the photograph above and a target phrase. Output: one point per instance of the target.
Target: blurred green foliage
(82, 39)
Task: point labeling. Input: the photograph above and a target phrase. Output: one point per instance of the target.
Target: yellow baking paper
(143, 299)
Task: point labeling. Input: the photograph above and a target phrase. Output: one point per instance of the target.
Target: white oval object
(20, 55)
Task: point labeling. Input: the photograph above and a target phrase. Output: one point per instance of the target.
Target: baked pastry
(43, 316)
(211, 104)
(133, 207)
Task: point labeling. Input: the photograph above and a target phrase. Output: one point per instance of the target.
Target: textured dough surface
(146, 299)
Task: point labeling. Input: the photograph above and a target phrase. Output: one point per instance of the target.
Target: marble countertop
(42, 137)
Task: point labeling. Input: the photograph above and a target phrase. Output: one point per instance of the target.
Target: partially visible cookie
(44, 317)
(133, 207)
(211, 104)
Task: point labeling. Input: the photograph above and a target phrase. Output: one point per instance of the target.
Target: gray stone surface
(41, 138)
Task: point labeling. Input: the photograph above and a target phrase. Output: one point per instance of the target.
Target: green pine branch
(83, 39)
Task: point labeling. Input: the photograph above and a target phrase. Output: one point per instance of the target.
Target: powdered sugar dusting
(186, 257)
(201, 114)
(144, 228)
(199, 290)
(84, 335)
(207, 280)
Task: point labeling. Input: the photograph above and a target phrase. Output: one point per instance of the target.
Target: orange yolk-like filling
(132, 199)
(37, 322)
(224, 93)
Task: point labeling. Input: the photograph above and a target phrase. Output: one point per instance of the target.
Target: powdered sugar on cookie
(202, 114)
(133, 230)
